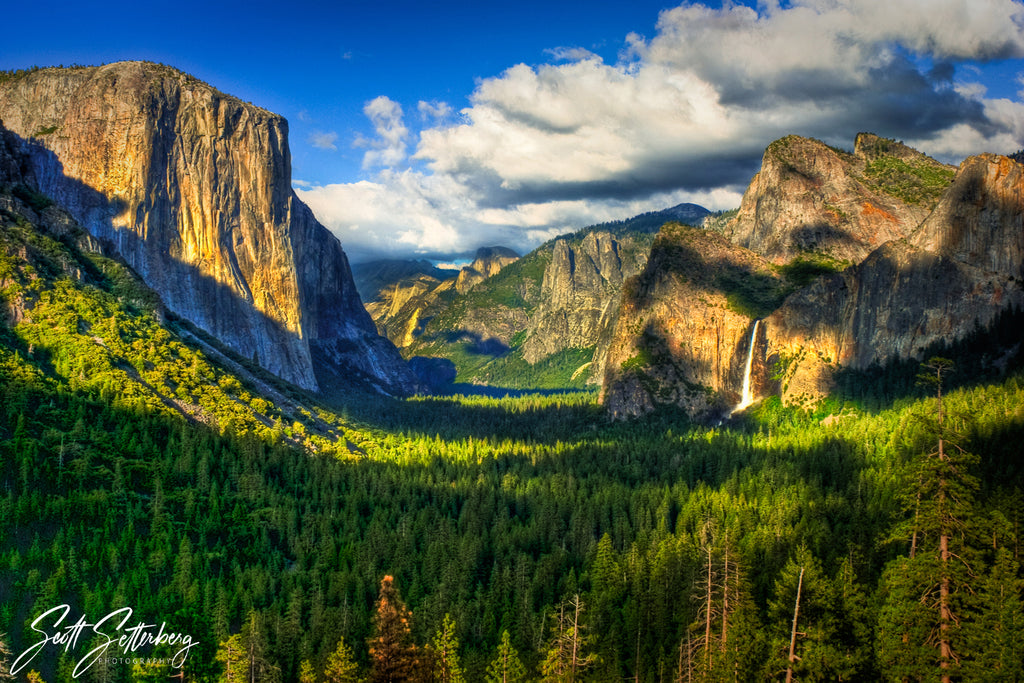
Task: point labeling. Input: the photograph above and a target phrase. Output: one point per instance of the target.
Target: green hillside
(482, 331)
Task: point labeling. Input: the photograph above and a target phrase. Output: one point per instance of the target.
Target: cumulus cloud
(422, 214)
(389, 147)
(322, 140)
(684, 116)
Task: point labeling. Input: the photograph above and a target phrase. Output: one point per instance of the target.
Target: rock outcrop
(956, 274)
(685, 324)
(949, 261)
(401, 309)
(811, 199)
(580, 296)
(193, 189)
(488, 262)
(546, 317)
(980, 221)
(404, 296)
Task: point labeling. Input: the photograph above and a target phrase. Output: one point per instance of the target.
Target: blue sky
(318, 63)
(431, 128)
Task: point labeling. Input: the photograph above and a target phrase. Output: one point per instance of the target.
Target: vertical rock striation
(580, 295)
(193, 189)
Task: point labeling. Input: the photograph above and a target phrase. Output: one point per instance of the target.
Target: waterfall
(747, 397)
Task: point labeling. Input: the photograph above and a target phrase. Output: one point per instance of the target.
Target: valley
(200, 421)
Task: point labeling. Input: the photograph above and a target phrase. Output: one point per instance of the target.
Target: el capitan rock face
(193, 188)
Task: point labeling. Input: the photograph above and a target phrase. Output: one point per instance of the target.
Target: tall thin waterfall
(747, 396)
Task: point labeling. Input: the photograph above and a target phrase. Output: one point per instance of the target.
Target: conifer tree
(506, 667)
(804, 613)
(997, 637)
(392, 653)
(306, 672)
(446, 653)
(341, 665)
(231, 654)
(245, 655)
(928, 594)
(568, 655)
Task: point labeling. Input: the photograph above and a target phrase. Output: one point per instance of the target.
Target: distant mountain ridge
(193, 189)
(545, 318)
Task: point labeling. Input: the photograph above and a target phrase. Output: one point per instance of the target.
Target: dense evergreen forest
(478, 539)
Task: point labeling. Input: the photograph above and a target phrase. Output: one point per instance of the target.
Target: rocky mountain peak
(488, 262)
(980, 220)
(810, 198)
(957, 273)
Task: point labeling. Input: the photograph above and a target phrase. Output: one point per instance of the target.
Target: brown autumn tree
(392, 652)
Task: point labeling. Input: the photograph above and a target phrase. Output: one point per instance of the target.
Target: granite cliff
(580, 296)
(956, 273)
(948, 262)
(543, 320)
(809, 198)
(192, 188)
(545, 317)
(488, 262)
(402, 297)
(685, 324)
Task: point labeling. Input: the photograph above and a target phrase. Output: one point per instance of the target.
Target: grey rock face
(579, 295)
(958, 271)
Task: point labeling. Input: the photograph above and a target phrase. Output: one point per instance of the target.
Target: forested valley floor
(469, 538)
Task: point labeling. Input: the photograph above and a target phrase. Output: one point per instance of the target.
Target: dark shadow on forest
(477, 344)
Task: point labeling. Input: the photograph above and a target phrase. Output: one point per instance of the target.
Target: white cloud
(682, 116)
(322, 140)
(434, 111)
(390, 146)
(570, 54)
(415, 214)
(399, 212)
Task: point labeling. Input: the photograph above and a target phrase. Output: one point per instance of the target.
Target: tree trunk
(792, 637)
(707, 617)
